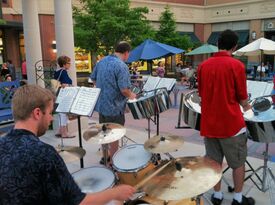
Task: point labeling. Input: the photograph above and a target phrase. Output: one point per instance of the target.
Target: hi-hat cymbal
(104, 133)
(196, 176)
(163, 144)
(70, 153)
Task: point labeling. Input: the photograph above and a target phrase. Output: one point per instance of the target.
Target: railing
(44, 70)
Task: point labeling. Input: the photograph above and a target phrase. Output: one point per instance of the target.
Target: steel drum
(192, 109)
(260, 127)
(149, 104)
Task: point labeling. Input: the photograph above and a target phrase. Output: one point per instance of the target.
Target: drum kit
(169, 181)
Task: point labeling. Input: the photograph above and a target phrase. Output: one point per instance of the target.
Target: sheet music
(259, 89)
(85, 101)
(151, 83)
(65, 99)
(268, 88)
(166, 83)
(256, 88)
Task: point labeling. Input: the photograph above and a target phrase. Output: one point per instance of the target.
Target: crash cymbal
(182, 178)
(104, 133)
(163, 144)
(70, 153)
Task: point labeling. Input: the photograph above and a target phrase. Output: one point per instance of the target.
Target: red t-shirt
(222, 84)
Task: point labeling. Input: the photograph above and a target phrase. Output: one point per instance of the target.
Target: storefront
(11, 42)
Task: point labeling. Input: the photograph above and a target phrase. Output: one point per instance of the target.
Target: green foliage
(167, 31)
(100, 24)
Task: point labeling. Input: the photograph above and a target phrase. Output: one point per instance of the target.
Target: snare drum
(132, 162)
(149, 200)
(94, 179)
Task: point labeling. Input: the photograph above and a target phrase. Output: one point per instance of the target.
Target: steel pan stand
(266, 171)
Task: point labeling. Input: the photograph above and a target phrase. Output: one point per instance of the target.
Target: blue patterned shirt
(32, 172)
(111, 75)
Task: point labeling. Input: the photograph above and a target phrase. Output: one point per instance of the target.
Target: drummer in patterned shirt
(32, 172)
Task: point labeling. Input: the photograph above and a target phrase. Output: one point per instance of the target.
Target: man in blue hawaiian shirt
(31, 171)
(111, 75)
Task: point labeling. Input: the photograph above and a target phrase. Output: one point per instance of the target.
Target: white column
(64, 33)
(32, 39)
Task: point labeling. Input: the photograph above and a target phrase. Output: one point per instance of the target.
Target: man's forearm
(128, 93)
(246, 106)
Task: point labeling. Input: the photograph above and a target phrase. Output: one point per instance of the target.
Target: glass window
(22, 46)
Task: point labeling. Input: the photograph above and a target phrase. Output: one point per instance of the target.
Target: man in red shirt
(222, 88)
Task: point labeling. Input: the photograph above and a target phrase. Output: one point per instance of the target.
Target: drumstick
(141, 183)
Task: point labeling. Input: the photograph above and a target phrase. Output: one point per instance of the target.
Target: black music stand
(80, 139)
(155, 118)
(79, 101)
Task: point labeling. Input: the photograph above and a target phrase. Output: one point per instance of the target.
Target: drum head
(94, 179)
(131, 158)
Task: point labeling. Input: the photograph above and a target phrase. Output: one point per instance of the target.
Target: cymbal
(104, 133)
(163, 144)
(196, 176)
(70, 153)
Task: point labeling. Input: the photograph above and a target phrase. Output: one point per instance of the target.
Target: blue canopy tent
(150, 50)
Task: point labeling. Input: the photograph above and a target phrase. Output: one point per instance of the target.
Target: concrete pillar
(32, 40)
(64, 33)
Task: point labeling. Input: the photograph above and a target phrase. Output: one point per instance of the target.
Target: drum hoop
(100, 166)
(97, 166)
(130, 170)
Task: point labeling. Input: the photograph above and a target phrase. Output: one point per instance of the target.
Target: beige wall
(255, 25)
(207, 31)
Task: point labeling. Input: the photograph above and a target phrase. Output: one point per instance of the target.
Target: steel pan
(149, 104)
(261, 127)
(191, 110)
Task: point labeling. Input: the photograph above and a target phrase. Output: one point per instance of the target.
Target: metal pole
(80, 139)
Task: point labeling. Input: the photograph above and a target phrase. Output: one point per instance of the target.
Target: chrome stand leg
(125, 139)
(266, 173)
(105, 153)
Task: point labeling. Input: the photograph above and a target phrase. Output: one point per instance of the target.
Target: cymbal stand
(105, 147)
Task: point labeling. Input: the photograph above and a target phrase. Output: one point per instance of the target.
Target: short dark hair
(122, 47)
(62, 60)
(228, 39)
